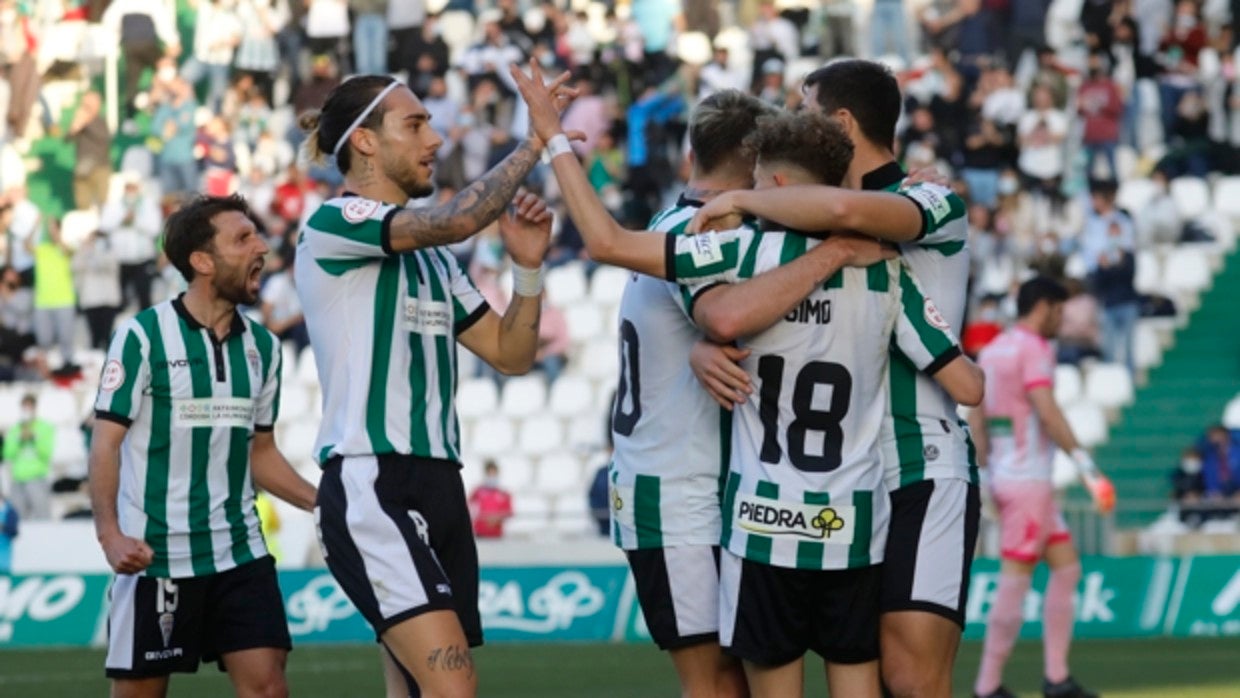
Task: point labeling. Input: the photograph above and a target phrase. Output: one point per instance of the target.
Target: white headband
(362, 117)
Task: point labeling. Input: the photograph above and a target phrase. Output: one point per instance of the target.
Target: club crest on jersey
(933, 316)
(113, 375)
(251, 357)
(358, 209)
(771, 517)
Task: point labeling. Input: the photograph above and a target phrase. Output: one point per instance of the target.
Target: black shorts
(397, 537)
(159, 626)
(930, 546)
(774, 615)
(678, 589)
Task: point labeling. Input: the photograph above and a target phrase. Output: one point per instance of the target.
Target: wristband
(1084, 462)
(558, 145)
(527, 282)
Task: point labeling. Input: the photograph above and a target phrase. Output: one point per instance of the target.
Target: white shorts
(679, 593)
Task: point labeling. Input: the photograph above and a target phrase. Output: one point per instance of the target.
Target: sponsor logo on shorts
(771, 517)
(158, 655)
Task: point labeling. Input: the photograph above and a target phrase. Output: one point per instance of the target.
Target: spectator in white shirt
(132, 221)
(97, 280)
(1041, 132)
(217, 32)
(772, 36)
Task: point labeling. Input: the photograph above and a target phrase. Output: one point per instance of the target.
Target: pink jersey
(1016, 362)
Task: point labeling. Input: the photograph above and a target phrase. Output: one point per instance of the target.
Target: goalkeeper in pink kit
(1016, 432)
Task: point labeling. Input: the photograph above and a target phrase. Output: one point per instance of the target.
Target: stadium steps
(1183, 396)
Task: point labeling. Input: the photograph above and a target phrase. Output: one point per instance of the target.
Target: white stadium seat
(1089, 423)
(296, 439)
(588, 430)
(1067, 384)
(58, 406)
(1187, 270)
(599, 361)
(523, 396)
(76, 226)
(1231, 415)
(531, 503)
(1146, 346)
(566, 284)
(69, 452)
(559, 473)
(515, 471)
(1109, 386)
(476, 397)
(492, 436)
(607, 285)
(1227, 197)
(10, 405)
(1148, 273)
(1063, 471)
(570, 396)
(540, 436)
(1135, 193)
(307, 368)
(585, 322)
(1191, 195)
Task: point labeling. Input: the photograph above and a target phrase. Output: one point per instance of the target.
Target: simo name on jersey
(811, 312)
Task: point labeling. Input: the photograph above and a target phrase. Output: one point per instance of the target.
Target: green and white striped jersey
(923, 436)
(805, 488)
(383, 328)
(192, 405)
(667, 467)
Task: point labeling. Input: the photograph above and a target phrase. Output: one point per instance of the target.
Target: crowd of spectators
(1036, 109)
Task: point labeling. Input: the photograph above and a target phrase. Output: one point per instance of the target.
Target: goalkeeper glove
(1098, 485)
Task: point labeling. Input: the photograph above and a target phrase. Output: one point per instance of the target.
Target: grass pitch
(1162, 668)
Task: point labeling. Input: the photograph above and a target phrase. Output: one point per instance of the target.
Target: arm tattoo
(509, 321)
(473, 208)
(451, 658)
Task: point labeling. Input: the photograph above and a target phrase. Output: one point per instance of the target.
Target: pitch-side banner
(1117, 597)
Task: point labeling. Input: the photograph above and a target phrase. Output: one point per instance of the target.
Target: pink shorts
(1029, 518)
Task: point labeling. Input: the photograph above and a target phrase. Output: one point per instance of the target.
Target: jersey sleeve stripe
(462, 326)
(877, 277)
(114, 418)
(330, 220)
(123, 402)
(385, 230)
(1039, 383)
(942, 360)
(669, 257)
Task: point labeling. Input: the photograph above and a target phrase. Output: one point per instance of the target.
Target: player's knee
(269, 686)
(908, 675)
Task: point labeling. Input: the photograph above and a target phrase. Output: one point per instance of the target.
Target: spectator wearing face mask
(28, 451)
(1187, 485)
(489, 504)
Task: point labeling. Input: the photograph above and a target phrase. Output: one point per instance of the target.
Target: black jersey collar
(178, 304)
(882, 177)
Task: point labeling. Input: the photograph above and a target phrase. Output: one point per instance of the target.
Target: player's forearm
(963, 381)
(980, 435)
(518, 335)
(273, 473)
(104, 469)
(1053, 422)
(730, 311)
(471, 210)
(605, 240)
(822, 208)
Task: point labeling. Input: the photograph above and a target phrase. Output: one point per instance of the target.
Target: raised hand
(545, 101)
(525, 229)
(862, 251)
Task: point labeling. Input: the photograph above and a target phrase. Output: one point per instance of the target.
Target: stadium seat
(1108, 386)
(566, 284)
(1227, 197)
(531, 504)
(585, 322)
(1063, 471)
(1067, 384)
(571, 396)
(1135, 193)
(1126, 161)
(1148, 274)
(1191, 196)
(288, 362)
(476, 397)
(587, 430)
(599, 362)
(1146, 346)
(1074, 266)
(492, 436)
(559, 473)
(607, 285)
(457, 29)
(466, 361)
(69, 452)
(540, 436)
(516, 471)
(1089, 423)
(1187, 271)
(59, 406)
(1231, 415)
(572, 525)
(523, 396)
(294, 401)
